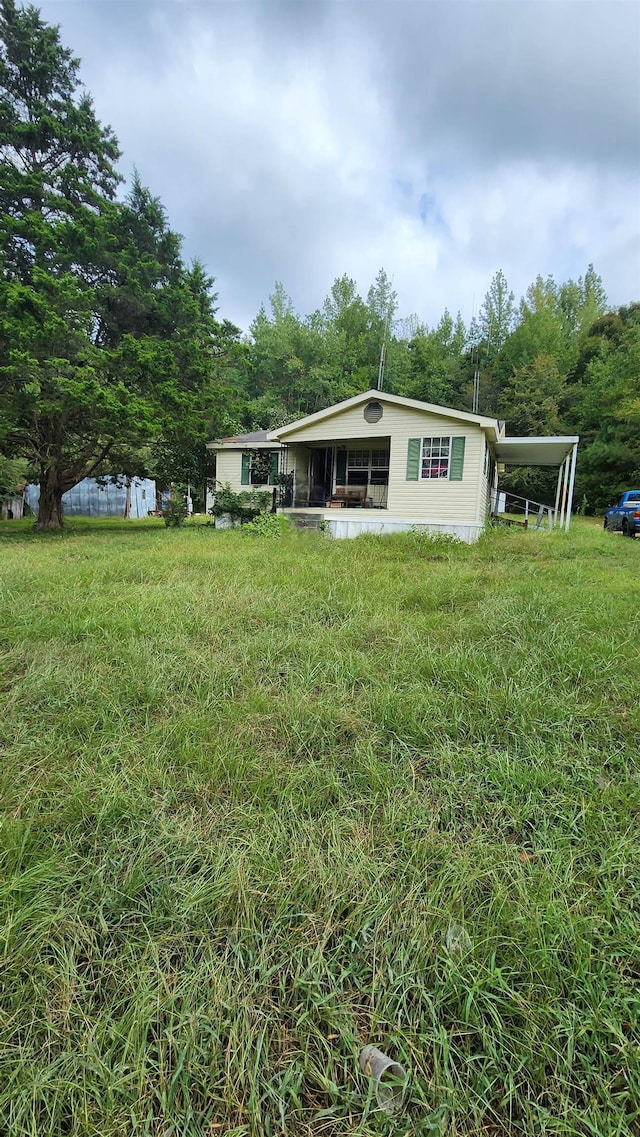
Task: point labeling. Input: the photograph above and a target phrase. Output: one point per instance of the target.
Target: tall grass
(247, 785)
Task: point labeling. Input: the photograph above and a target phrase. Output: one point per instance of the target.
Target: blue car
(625, 514)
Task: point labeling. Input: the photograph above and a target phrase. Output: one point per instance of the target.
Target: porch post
(555, 514)
(574, 458)
(563, 501)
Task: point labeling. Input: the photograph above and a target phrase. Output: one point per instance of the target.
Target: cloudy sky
(301, 140)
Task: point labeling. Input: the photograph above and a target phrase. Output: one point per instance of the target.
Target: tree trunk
(50, 507)
(127, 500)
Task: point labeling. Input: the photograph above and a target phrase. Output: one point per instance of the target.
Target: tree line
(115, 360)
(557, 362)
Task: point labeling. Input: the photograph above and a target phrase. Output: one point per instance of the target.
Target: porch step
(306, 520)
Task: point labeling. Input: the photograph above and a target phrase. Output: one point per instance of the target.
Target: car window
(633, 497)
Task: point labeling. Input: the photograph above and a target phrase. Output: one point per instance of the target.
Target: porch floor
(336, 511)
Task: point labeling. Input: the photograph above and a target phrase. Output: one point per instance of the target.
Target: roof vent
(373, 412)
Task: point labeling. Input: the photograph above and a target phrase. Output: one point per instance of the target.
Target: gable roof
(489, 424)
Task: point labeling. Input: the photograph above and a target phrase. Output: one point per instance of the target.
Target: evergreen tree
(497, 316)
(346, 324)
(106, 340)
(606, 410)
(436, 365)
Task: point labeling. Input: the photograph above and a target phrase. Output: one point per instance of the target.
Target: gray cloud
(298, 141)
(521, 80)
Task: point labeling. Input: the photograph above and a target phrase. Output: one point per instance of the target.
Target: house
(382, 463)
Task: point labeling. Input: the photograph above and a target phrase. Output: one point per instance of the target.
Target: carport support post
(557, 505)
(563, 497)
(572, 479)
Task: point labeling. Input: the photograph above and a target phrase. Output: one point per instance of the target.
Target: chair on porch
(345, 496)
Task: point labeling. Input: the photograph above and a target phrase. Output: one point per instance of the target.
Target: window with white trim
(435, 457)
(367, 467)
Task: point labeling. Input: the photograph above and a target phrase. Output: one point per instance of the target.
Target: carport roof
(535, 451)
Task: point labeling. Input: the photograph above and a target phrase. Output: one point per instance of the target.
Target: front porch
(347, 475)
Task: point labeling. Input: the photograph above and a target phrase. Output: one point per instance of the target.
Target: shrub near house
(240, 507)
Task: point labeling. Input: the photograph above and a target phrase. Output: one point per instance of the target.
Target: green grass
(248, 784)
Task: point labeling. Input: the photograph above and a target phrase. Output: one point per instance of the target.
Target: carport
(560, 451)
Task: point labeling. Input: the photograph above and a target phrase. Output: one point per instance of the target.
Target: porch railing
(511, 508)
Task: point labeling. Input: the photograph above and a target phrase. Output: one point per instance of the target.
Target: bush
(174, 513)
(435, 536)
(267, 525)
(242, 507)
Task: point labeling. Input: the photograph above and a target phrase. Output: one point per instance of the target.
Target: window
(431, 459)
(259, 467)
(435, 457)
(357, 458)
(367, 467)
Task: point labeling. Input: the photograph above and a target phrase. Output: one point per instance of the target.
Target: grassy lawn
(247, 786)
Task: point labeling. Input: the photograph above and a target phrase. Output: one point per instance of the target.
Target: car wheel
(605, 525)
(626, 532)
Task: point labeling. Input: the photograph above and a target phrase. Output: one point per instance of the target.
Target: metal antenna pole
(476, 381)
(383, 349)
(383, 352)
(476, 366)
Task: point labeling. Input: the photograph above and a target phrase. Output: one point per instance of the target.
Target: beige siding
(439, 499)
(485, 489)
(351, 424)
(229, 469)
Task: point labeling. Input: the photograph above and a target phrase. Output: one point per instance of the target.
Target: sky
(298, 141)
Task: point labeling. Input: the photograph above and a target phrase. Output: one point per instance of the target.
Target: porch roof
(550, 451)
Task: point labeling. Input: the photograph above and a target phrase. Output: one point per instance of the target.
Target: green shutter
(414, 450)
(456, 461)
(273, 467)
(246, 468)
(341, 468)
